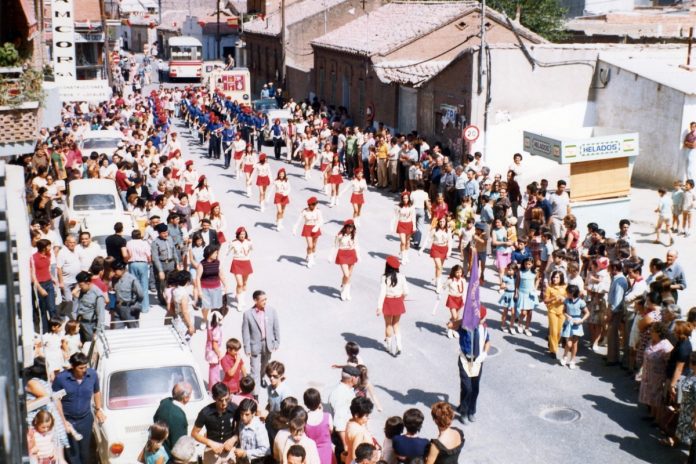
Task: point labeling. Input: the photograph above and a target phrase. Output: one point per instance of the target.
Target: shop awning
(30, 15)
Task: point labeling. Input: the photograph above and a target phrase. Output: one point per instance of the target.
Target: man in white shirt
(339, 405)
(87, 250)
(393, 164)
(67, 267)
(560, 208)
(421, 203)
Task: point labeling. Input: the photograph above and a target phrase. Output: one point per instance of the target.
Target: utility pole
(482, 47)
(159, 10)
(282, 41)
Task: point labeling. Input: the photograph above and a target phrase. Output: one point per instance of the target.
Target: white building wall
(636, 104)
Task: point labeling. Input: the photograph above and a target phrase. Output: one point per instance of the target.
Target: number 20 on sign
(471, 133)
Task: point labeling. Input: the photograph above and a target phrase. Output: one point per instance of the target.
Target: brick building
(417, 75)
(305, 20)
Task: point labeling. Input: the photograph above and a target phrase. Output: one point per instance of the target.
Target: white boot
(262, 206)
(398, 343)
(279, 225)
(388, 345)
(336, 201)
(327, 189)
(343, 293)
(248, 191)
(357, 221)
(310, 260)
(438, 286)
(405, 256)
(331, 202)
(347, 290)
(240, 301)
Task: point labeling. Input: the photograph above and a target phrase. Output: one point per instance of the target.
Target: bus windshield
(189, 53)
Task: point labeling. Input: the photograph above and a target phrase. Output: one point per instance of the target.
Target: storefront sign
(93, 91)
(63, 40)
(576, 150)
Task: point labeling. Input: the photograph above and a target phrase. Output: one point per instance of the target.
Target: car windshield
(265, 105)
(145, 387)
(100, 143)
(93, 202)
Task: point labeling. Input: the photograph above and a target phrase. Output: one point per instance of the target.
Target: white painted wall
(636, 104)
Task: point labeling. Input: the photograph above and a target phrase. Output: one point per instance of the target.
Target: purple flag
(470, 318)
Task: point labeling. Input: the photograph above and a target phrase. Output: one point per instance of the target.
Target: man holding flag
(474, 343)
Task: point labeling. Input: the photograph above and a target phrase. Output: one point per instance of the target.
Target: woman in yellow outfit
(554, 296)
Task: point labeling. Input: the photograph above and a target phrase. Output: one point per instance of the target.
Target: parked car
(92, 199)
(101, 141)
(100, 227)
(284, 115)
(133, 384)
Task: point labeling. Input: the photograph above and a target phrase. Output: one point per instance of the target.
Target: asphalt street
(520, 384)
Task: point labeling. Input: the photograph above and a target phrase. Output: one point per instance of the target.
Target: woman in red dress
(241, 248)
(456, 289)
(281, 197)
(392, 292)
(359, 186)
(188, 177)
(312, 220)
(327, 155)
(335, 179)
(239, 147)
(263, 179)
(248, 163)
(405, 218)
(346, 249)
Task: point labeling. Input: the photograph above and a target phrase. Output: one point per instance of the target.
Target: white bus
(185, 57)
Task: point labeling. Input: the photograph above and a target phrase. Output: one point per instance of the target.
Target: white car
(101, 141)
(100, 228)
(137, 369)
(91, 200)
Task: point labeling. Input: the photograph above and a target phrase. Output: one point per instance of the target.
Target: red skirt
(357, 199)
(307, 232)
(248, 168)
(221, 237)
(439, 251)
(241, 267)
(175, 173)
(203, 207)
(346, 257)
(188, 189)
(263, 181)
(280, 199)
(238, 155)
(454, 302)
(323, 166)
(308, 154)
(335, 179)
(404, 228)
(393, 306)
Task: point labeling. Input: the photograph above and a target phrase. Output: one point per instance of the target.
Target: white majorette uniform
(311, 219)
(335, 176)
(204, 198)
(189, 179)
(282, 192)
(263, 174)
(220, 225)
(310, 147)
(456, 289)
(238, 146)
(405, 217)
(346, 249)
(359, 187)
(439, 247)
(326, 158)
(241, 257)
(391, 299)
(248, 162)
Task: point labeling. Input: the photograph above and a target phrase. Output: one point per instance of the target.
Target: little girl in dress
(507, 299)
(213, 348)
(44, 447)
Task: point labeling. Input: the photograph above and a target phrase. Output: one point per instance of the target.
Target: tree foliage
(545, 17)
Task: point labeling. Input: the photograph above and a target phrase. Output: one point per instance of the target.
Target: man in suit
(210, 236)
(260, 335)
(171, 412)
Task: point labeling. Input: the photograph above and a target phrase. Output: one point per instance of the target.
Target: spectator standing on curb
(260, 336)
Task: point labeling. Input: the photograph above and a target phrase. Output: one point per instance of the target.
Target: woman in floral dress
(686, 430)
(654, 367)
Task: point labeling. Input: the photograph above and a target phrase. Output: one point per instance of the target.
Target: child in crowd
(352, 355)
(664, 216)
(466, 243)
(554, 298)
(677, 207)
(213, 348)
(512, 229)
(597, 285)
(232, 365)
(546, 250)
(394, 426)
(689, 206)
(507, 299)
(154, 452)
(558, 264)
(365, 389)
(43, 444)
(527, 281)
(71, 341)
(465, 212)
(480, 246)
(53, 346)
(576, 314)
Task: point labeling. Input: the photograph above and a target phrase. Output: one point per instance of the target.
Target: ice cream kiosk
(600, 161)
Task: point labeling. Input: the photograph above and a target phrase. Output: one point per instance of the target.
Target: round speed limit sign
(471, 133)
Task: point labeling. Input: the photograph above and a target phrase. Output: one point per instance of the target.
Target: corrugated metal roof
(392, 25)
(294, 13)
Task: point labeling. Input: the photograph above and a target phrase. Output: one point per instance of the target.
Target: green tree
(545, 17)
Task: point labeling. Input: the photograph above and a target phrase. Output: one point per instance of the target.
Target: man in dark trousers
(165, 258)
(474, 345)
(171, 412)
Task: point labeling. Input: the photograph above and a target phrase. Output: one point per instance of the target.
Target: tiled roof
(294, 13)
(392, 25)
(87, 10)
(405, 72)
